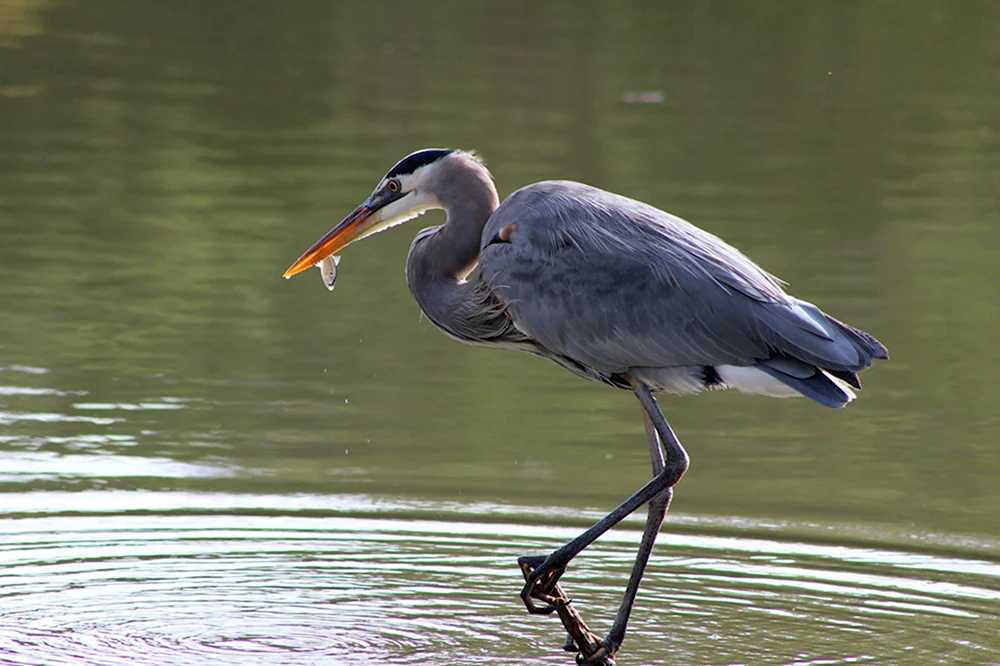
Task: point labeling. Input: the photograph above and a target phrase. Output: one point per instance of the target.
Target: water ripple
(387, 586)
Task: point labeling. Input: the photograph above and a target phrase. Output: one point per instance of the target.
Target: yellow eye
(393, 186)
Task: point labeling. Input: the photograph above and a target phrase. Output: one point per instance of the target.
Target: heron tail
(822, 364)
(828, 388)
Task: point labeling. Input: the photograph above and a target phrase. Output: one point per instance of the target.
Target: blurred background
(203, 462)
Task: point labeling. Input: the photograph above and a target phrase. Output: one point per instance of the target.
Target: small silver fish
(328, 268)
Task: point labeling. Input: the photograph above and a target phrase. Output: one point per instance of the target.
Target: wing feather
(614, 283)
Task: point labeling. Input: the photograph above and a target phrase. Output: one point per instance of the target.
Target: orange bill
(342, 235)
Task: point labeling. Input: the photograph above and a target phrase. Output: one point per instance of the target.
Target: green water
(203, 463)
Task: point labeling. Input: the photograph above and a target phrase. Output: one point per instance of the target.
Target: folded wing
(615, 284)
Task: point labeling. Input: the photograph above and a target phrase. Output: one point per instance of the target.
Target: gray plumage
(605, 285)
(615, 291)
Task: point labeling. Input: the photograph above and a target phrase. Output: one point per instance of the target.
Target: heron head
(401, 195)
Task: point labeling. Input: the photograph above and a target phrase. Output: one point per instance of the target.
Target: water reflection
(201, 462)
(22, 466)
(398, 587)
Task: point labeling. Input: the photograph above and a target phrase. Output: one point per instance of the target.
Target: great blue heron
(613, 290)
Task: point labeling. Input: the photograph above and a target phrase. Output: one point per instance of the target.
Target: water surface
(203, 463)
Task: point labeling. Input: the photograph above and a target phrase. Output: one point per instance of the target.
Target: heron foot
(542, 583)
(541, 580)
(603, 657)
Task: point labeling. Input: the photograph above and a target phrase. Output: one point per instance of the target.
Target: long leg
(657, 511)
(657, 492)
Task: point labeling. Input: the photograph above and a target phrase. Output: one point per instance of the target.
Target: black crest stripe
(411, 163)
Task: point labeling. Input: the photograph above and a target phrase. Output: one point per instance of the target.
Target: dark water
(202, 463)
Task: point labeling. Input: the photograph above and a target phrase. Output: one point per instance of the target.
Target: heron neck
(452, 250)
(456, 245)
(441, 258)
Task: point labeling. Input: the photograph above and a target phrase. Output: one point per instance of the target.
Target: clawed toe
(540, 583)
(600, 658)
